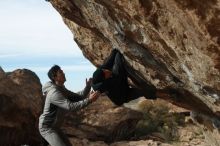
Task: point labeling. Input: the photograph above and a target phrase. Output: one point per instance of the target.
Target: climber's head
(99, 76)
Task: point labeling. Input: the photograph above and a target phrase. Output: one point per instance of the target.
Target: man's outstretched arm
(64, 103)
(109, 62)
(118, 66)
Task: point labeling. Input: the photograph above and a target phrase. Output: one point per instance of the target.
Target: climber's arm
(109, 62)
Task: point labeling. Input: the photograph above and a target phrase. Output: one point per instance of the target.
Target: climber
(112, 78)
(58, 99)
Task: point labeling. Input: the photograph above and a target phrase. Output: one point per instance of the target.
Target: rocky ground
(107, 125)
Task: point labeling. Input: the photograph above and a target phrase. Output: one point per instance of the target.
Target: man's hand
(89, 82)
(93, 96)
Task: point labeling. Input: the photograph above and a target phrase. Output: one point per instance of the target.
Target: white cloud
(34, 27)
(65, 68)
(31, 29)
(3, 56)
(78, 68)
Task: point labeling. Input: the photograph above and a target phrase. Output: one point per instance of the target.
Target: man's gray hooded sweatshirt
(59, 99)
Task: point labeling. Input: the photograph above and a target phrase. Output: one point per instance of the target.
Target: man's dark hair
(52, 72)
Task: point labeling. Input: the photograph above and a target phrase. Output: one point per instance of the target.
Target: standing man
(59, 99)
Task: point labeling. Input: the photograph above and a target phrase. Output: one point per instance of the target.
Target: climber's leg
(134, 93)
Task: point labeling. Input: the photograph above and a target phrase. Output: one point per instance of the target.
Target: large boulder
(104, 124)
(21, 102)
(102, 121)
(172, 44)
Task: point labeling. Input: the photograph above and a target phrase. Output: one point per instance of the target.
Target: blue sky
(33, 36)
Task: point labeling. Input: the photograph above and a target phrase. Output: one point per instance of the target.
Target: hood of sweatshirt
(47, 87)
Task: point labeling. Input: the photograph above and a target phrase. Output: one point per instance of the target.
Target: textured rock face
(21, 104)
(168, 44)
(102, 121)
(104, 124)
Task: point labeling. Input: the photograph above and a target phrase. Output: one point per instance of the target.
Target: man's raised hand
(89, 82)
(93, 96)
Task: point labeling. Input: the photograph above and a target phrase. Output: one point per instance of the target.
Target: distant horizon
(34, 36)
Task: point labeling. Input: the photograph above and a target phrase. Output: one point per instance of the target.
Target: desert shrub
(157, 119)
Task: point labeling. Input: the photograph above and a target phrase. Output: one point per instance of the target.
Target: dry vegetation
(158, 122)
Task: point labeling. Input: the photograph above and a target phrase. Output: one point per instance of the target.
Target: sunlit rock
(168, 44)
(21, 103)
